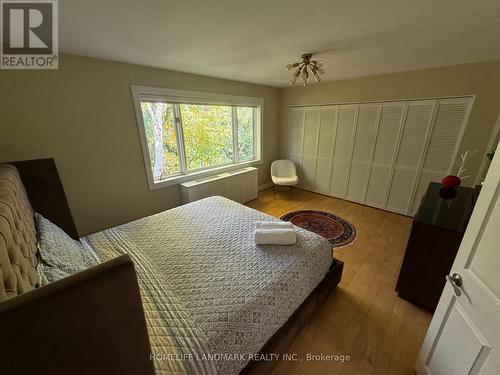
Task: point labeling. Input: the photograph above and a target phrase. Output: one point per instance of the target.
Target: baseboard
(265, 186)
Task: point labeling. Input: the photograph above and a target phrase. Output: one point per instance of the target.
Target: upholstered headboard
(17, 236)
(98, 311)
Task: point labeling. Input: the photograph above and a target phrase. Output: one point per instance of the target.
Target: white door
(386, 147)
(380, 154)
(342, 151)
(414, 135)
(312, 120)
(364, 141)
(446, 131)
(464, 334)
(295, 137)
(326, 140)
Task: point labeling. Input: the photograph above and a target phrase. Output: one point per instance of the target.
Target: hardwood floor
(363, 317)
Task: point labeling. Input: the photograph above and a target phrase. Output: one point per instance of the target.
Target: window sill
(201, 174)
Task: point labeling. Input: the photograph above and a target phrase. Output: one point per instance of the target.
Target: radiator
(239, 185)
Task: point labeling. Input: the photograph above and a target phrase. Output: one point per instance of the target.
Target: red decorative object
(451, 181)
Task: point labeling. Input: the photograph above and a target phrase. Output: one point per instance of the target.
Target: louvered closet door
(380, 154)
(342, 150)
(362, 152)
(449, 122)
(310, 146)
(418, 121)
(386, 146)
(295, 136)
(327, 133)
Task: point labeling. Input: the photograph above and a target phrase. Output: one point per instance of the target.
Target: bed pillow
(48, 274)
(59, 251)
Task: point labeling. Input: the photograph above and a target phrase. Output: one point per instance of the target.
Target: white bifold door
(380, 154)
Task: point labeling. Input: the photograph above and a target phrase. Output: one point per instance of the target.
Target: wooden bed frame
(96, 311)
(89, 323)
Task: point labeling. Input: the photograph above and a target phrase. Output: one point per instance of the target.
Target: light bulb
(291, 66)
(293, 80)
(305, 74)
(316, 76)
(305, 82)
(317, 63)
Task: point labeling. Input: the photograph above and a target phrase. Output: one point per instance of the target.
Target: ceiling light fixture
(303, 68)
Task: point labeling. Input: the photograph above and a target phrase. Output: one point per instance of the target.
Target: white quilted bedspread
(207, 288)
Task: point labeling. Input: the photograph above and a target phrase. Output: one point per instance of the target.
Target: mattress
(213, 298)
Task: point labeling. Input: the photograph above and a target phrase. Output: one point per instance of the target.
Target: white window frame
(144, 93)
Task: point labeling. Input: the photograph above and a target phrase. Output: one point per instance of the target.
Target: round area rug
(332, 227)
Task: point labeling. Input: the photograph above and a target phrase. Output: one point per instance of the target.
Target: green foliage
(170, 152)
(245, 133)
(208, 135)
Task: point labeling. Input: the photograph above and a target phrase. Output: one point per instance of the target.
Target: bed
(212, 299)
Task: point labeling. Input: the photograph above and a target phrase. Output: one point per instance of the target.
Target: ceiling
(252, 40)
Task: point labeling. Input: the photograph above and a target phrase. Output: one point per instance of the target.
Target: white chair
(283, 173)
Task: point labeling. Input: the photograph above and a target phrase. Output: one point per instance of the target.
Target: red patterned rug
(335, 229)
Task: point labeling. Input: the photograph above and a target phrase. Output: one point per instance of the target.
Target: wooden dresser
(436, 233)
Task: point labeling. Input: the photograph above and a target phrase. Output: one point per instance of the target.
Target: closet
(380, 154)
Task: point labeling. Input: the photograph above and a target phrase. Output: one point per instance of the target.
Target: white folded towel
(274, 225)
(274, 236)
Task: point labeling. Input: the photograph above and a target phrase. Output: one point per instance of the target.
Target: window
(208, 135)
(159, 126)
(245, 133)
(186, 134)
